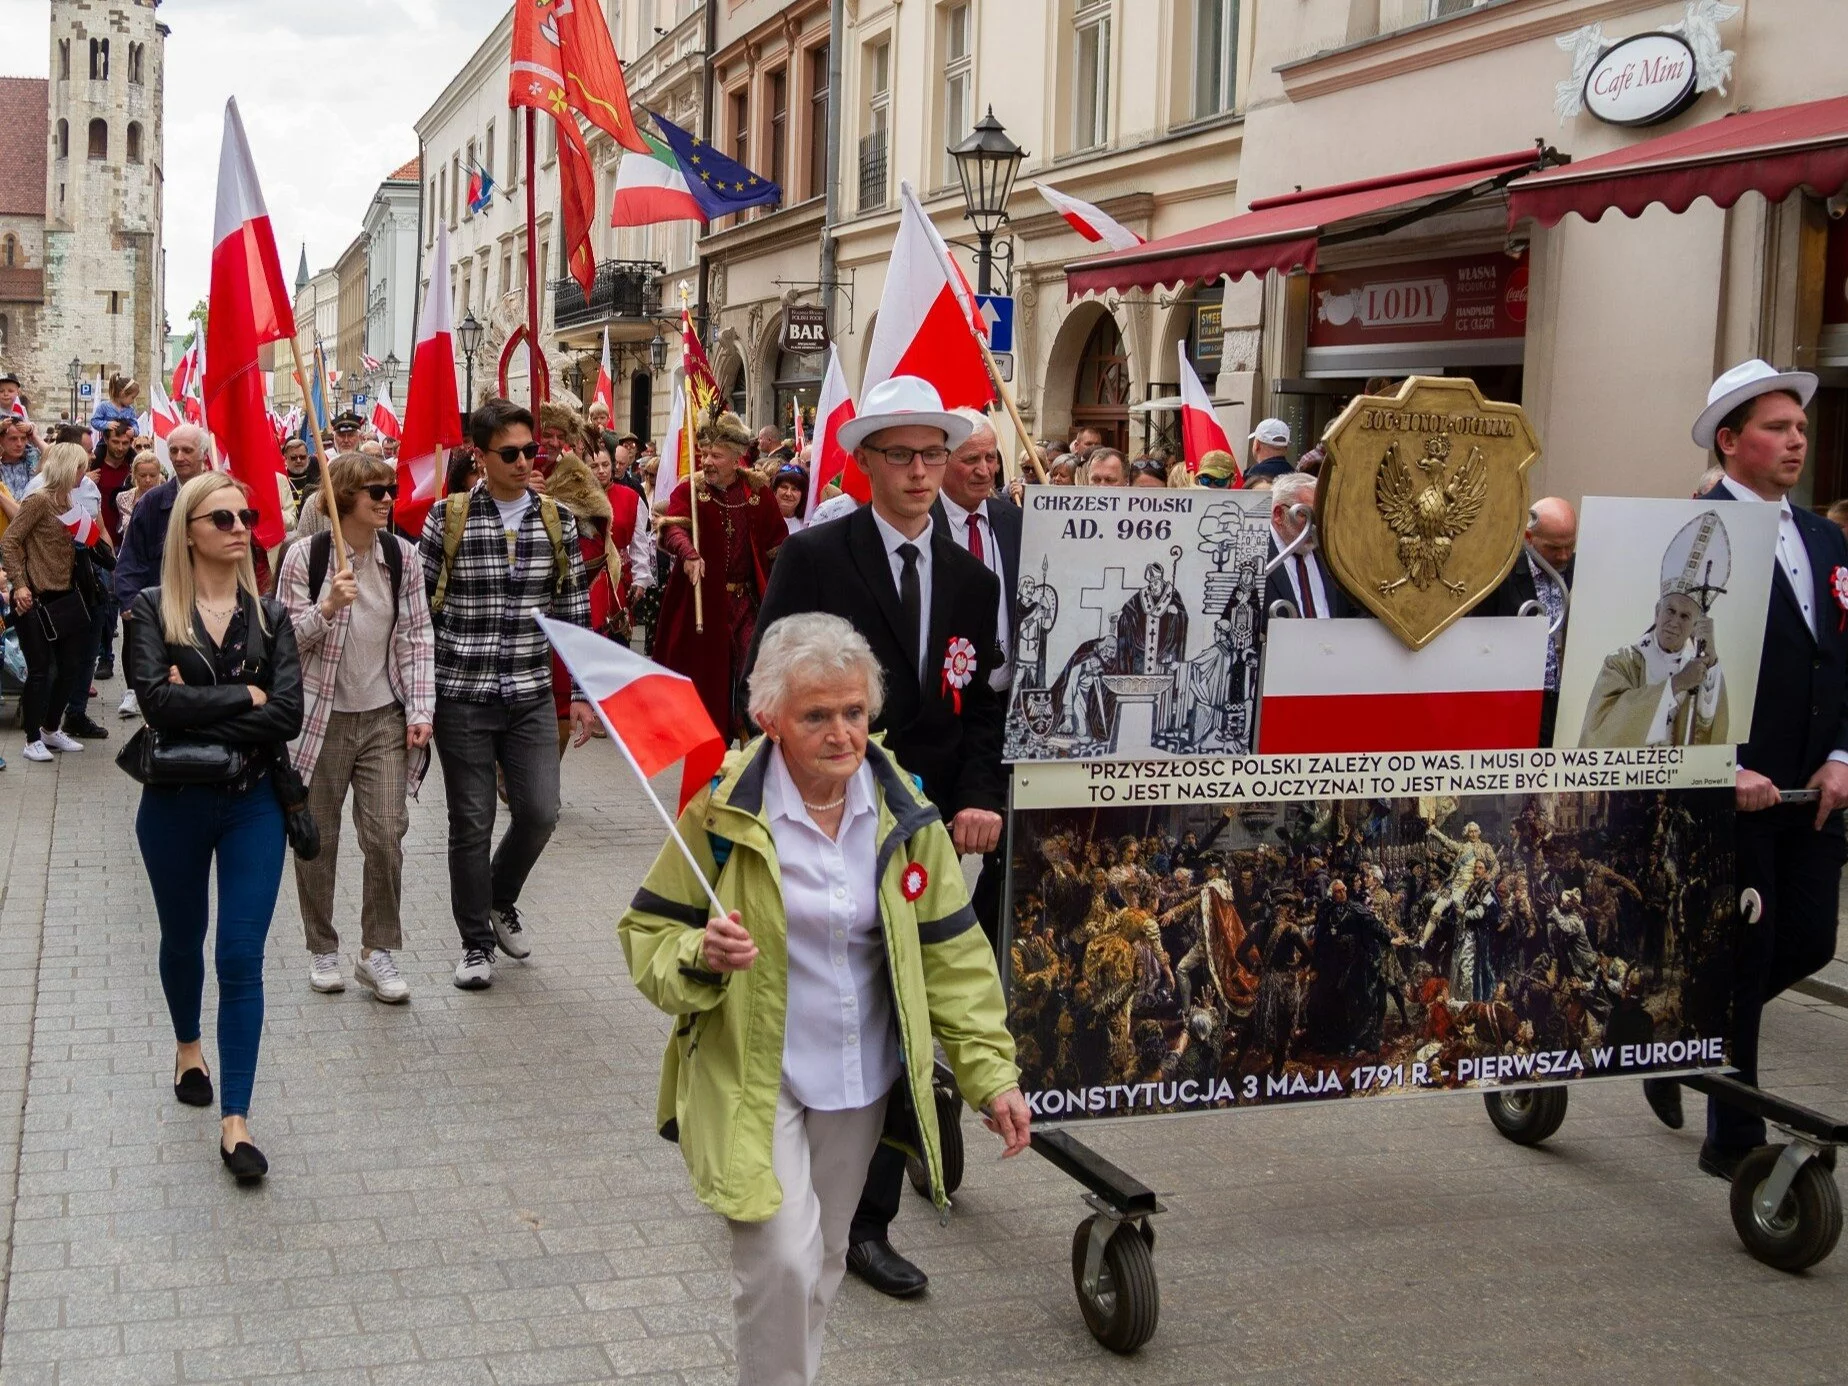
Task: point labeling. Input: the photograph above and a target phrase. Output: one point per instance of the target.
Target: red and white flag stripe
(1353, 686)
(828, 460)
(676, 458)
(432, 408)
(605, 393)
(1089, 222)
(928, 323)
(81, 527)
(385, 420)
(1201, 431)
(653, 714)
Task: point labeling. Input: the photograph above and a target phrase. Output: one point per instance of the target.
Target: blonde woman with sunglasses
(215, 667)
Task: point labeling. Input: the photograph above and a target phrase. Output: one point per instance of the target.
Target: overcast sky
(328, 89)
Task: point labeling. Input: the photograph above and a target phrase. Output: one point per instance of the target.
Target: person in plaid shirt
(517, 553)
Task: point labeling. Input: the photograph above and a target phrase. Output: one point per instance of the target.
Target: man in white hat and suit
(928, 608)
(1792, 854)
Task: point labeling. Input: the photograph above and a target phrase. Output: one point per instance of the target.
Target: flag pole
(688, 427)
(314, 439)
(1007, 399)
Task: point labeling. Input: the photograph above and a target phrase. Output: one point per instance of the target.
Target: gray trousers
(363, 751)
(471, 739)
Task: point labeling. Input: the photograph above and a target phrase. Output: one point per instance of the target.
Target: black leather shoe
(885, 1270)
(105, 672)
(1664, 1095)
(1722, 1164)
(245, 1162)
(194, 1088)
(84, 729)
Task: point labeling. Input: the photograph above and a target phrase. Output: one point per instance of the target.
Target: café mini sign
(1642, 81)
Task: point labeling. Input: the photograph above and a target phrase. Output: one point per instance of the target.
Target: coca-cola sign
(1643, 80)
(1468, 298)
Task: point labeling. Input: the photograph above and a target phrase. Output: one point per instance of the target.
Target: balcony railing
(873, 171)
(622, 289)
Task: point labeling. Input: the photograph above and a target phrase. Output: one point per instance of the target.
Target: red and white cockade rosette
(1838, 584)
(913, 882)
(958, 669)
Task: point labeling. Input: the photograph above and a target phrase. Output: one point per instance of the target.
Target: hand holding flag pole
(314, 441)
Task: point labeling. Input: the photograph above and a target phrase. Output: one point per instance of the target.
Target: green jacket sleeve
(961, 985)
(664, 928)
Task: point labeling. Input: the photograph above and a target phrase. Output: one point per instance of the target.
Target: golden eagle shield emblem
(1422, 503)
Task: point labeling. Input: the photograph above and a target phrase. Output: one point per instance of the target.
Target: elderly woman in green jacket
(804, 1019)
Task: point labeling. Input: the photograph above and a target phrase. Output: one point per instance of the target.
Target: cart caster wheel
(950, 1135)
(1807, 1226)
(1528, 1116)
(1122, 1315)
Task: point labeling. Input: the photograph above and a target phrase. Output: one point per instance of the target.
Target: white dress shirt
(1003, 678)
(1310, 566)
(84, 494)
(891, 538)
(840, 1047)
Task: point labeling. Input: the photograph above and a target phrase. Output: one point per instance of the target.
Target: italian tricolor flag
(651, 187)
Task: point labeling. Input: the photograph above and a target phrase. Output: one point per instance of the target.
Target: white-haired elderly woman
(804, 1017)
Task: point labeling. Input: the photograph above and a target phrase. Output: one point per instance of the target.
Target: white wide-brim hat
(1748, 380)
(904, 401)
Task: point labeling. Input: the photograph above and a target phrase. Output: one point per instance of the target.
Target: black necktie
(911, 600)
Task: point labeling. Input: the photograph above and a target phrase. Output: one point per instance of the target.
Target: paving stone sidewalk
(468, 1189)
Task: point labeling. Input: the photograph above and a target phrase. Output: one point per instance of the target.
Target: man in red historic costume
(740, 530)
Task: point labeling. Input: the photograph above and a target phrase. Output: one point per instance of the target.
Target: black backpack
(321, 553)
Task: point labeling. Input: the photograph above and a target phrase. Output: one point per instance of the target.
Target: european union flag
(721, 185)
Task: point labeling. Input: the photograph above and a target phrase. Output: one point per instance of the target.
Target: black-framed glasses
(382, 490)
(511, 454)
(902, 457)
(225, 521)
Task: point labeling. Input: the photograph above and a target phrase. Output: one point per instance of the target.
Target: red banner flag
(432, 413)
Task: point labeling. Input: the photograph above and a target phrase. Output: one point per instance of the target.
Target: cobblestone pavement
(468, 1189)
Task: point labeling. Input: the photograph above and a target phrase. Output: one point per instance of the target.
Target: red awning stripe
(1278, 233)
(1771, 152)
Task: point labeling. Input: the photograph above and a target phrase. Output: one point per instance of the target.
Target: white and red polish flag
(928, 325)
(829, 461)
(1088, 221)
(250, 308)
(653, 714)
(81, 527)
(1353, 686)
(676, 460)
(432, 409)
(186, 377)
(385, 420)
(162, 417)
(605, 393)
(1201, 431)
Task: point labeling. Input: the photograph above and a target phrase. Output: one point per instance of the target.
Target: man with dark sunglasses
(491, 557)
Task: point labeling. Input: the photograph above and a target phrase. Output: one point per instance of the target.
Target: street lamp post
(987, 163)
(74, 374)
(469, 334)
(657, 353)
(392, 366)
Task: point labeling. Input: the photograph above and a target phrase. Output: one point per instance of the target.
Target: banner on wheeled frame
(1491, 920)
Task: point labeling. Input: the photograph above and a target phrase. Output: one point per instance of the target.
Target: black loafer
(194, 1088)
(1722, 1164)
(1664, 1097)
(245, 1162)
(885, 1270)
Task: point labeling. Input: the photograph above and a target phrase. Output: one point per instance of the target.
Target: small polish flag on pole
(1201, 431)
(81, 527)
(432, 408)
(653, 715)
(605, 393)
(1353, 686)
(676, 449)
(385, 415)
(1088, 221)
(928, 325)
(829, 461)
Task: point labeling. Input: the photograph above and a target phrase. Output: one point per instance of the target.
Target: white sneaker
(35, 750)
(130, 705)
(324, 973)
(514, 941)
(476, 970)
(54, 740)
(379, 975)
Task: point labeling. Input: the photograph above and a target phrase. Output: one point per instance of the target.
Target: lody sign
(805, 328)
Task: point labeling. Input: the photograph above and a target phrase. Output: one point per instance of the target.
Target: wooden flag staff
(314, 441)
(1010, 469)
(689, 428)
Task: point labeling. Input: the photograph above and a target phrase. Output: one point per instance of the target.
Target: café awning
(1282, 233)
(1772, 152)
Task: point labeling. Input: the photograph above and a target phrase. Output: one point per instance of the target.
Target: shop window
(958, 83)
(99, 60)
(1091, 74)
(64, 139)
(1215, 56)
(818, 122)
(99, 138)
(133, 142)
(798, 382)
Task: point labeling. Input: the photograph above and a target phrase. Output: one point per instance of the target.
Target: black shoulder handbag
(170, 759)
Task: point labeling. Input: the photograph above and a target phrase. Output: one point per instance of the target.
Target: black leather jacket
(210, 704)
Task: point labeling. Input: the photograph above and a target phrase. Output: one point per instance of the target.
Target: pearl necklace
(824, 808)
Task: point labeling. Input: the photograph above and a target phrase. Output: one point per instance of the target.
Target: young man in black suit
(929, 610)
(1791, 854)
(977, 518)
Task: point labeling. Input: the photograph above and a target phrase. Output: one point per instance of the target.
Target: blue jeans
(179, 831)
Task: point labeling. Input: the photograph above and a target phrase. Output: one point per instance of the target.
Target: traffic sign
(361, 401)
(86, 389)
(1004, 363)
(997, 311)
